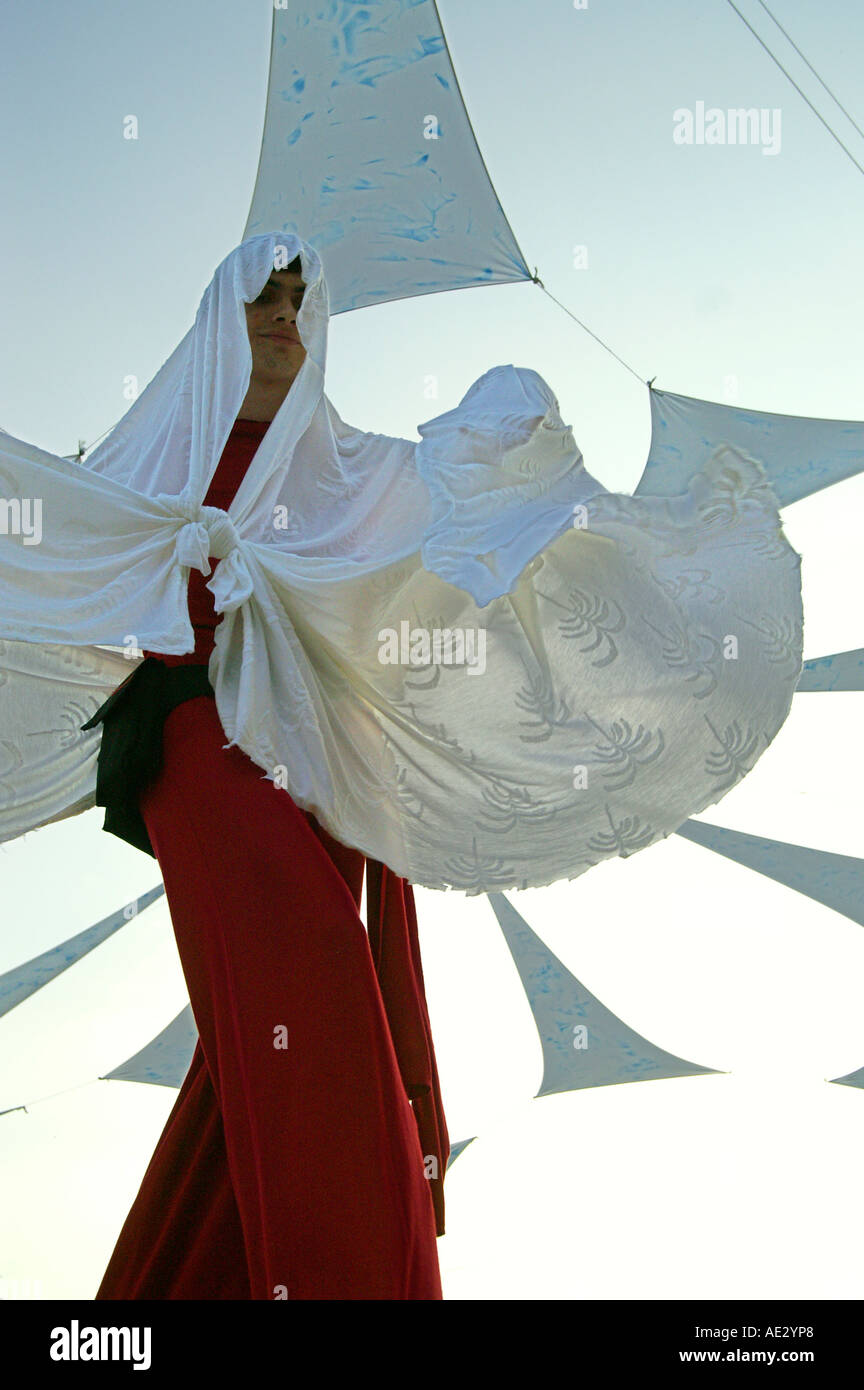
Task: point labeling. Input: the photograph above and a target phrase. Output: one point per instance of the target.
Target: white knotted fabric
(614, 665)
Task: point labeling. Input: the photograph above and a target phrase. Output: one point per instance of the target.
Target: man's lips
(281, 337)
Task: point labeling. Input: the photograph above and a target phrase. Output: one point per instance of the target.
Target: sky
(725, 273)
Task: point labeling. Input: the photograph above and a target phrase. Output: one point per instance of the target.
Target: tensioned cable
(537, 281)
(776, 60)
(805, 59)
(65, 1092)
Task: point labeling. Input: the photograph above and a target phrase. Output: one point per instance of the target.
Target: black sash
(130, 755)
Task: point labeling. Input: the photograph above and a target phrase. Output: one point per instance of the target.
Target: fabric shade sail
(800, 455)
(369, 155)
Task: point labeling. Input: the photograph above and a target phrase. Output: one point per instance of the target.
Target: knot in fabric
(221, 530)
(214, 533)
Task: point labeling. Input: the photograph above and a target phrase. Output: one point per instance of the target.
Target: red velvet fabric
(305, 1155)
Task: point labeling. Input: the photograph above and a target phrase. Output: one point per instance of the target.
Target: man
(291, 1165)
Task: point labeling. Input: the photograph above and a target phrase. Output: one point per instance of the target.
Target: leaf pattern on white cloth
(627, 750)
(682, 650)
(435, 733)
(477, 873)
(508, 806)
(73, 715)
(782, 641)
(542, 700)
(592, 616)
(769, 545)
(624, 836)
(691, 583)
(738, 751)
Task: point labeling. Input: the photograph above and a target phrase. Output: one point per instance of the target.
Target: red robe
(306, 1151)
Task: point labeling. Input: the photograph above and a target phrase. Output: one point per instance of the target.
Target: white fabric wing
(613, 665)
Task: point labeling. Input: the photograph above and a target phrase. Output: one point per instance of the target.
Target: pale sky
(705, 264)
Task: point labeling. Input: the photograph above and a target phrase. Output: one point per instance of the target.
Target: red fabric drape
(312, 1169)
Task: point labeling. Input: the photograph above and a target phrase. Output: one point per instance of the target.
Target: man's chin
(277, 368)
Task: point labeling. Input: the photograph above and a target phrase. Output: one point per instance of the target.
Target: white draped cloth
(464, 655)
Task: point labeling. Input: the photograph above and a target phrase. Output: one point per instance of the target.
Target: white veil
(171, 439)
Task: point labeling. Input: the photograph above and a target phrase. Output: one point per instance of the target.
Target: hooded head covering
(168, 444)
(171, 438)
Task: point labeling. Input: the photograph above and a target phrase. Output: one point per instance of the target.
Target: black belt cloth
(130, 755)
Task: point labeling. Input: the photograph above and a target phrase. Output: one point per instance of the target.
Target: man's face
(277, 353)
